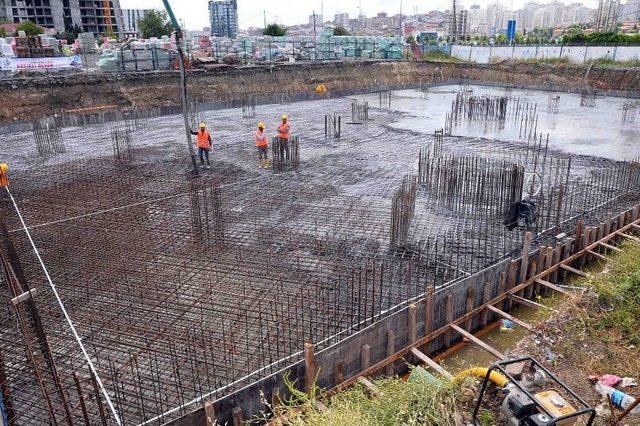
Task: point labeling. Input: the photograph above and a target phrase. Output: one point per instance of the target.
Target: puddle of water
(597, 131)
(473, 356)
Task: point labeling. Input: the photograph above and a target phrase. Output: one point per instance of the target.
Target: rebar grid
(175, 300)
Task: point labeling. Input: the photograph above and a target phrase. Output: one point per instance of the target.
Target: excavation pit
(181, 291)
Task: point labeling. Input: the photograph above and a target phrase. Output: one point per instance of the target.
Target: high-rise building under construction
(97, 17)
(223, 15)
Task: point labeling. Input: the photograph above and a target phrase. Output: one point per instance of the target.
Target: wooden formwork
(434, 322)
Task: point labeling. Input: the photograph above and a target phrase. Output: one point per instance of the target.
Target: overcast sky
(194, 13)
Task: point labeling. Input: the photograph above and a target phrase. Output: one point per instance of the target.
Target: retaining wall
(358, 352)
(27, 98)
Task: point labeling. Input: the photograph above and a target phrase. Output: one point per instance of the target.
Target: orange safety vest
(261, 139)
(202, 139)
(283, 130)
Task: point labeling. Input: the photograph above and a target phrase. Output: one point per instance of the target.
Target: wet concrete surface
(574, 129)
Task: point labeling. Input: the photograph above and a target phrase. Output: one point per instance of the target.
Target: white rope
(64, 311)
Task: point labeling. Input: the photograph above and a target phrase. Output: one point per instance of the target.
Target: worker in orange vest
(4, 175)
(284, 130)
(203, 143)
(262, 143)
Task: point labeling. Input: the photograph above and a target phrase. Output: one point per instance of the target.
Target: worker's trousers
(203, 153)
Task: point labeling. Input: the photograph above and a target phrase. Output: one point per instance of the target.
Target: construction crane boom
(106, 6)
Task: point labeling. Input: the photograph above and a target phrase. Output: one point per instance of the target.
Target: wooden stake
(448, 317)
(210, 413)
(338, 373)
(309, 367)
(391, 348)
(478, 342)
(431, 363)
(413, 329)
(365, 357)
(509, 317)
(238, 416)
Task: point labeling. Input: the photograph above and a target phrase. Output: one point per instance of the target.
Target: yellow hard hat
(284, 117)
(202, 125)
(4, 168)
(261, 125)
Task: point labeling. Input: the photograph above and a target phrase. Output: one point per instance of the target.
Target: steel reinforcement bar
(439, 317)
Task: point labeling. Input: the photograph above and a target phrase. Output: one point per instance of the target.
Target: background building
(341, 20)
(223, 15)
(131, 18)
(318, 20)
(63, 15)
(461, 22)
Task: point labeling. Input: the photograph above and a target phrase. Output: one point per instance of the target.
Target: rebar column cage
(332, 126)
(207, 219)
(470, 184)
(629, 110)
(359, 112)
(553, 103)
(121, 144)
(248, 107)
(403, 205)
(588, 97)
(285, 153)
(384, 99)
(49, 141)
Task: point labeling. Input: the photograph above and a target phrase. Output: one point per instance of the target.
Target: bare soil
(573, 351)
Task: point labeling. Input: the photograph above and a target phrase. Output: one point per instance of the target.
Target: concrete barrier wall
(578, 54)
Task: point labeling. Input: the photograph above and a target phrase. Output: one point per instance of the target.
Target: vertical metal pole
(185, 108)
(183, 83)
(315, 38)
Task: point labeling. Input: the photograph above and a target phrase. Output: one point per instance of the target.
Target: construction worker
(4, 175)
(203, 142)
(284, 130)
(321, 89)
(262, 143)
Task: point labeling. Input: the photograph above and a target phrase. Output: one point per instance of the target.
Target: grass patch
(553, 61)
(419, 402)
(609, 62)
(618, 291)
(438, 56)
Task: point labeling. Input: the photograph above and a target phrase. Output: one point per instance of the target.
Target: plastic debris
(506, 325)
(610, 380)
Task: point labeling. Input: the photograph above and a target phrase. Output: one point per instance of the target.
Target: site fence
(570, 52)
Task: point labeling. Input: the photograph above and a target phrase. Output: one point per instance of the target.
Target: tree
(70, 36)
(410, 40)
(29, 28)
(340, 31)
(3, 33)
(155, 24)
(275, 30)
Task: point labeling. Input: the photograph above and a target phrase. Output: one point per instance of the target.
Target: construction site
(139, 290)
